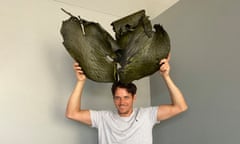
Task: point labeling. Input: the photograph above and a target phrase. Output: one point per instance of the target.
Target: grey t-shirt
(135, 129)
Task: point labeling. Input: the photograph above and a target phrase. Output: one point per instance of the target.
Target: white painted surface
(120, 8)
(36, 76)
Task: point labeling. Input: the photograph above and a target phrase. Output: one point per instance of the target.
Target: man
(127, 125)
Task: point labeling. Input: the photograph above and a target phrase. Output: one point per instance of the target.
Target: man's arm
(178, 104)
(74, 110)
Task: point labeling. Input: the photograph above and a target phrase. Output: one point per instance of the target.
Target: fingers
(77, 68)
(163, 61)
(164, 66)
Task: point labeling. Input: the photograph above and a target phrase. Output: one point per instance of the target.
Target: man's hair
(130, 87)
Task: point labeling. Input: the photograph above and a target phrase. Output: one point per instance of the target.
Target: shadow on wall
(59, 64)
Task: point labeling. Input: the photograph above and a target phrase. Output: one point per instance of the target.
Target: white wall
(36, 76)
(205, 65)
(123, 7)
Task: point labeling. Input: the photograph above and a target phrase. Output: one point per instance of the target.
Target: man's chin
(122, 112)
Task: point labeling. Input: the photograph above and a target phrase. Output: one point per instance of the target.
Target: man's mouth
(122, 106)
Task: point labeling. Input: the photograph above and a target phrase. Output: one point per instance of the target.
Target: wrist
(81, 81)
(166, 76)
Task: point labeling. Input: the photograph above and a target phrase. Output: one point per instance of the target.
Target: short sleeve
(95, 118)
(152, 114)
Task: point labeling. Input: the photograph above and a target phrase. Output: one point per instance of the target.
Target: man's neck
(126, 114)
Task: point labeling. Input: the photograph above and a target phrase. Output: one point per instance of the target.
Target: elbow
(183, 108)
(69, 115)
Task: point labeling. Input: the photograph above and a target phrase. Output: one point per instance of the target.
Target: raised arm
(73, 110)
(178, 103)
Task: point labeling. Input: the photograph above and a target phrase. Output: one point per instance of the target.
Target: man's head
(124, 95)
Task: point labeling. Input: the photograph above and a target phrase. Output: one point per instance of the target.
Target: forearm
(176, 95)
(178, 104)
(74, 102)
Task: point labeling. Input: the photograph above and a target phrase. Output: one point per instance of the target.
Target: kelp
(134, 54)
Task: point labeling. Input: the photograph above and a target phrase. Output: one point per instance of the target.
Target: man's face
(123, 102)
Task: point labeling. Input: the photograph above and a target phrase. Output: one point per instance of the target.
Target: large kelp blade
(142, 48)
(125, 27)
(138, 49)
(142, 59)
(91, 46)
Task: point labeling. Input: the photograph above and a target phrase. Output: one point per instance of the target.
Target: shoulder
(103, 114)
(149, 113)
(100, 117)
(147, 109)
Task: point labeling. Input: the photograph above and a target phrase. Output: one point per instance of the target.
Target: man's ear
(134, 97)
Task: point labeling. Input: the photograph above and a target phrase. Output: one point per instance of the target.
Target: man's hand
(74, 110)
(164, 67)
(178, 103)
(79, 72)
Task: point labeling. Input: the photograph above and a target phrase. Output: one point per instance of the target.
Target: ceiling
(124, 7)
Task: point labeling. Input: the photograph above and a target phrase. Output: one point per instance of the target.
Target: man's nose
(121, 101)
